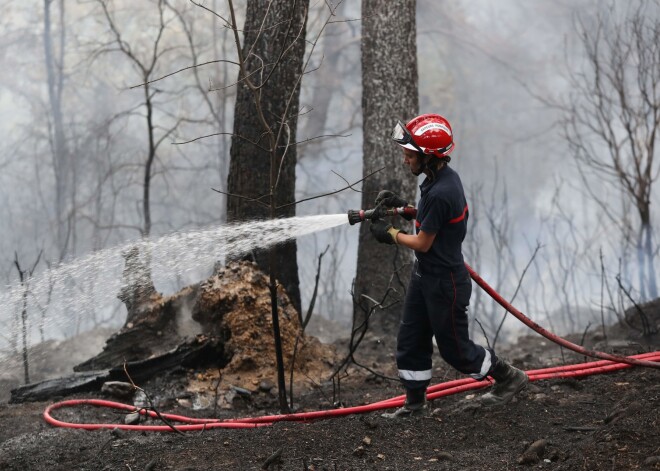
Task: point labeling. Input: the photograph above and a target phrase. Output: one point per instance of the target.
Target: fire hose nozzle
(356, 216)
(360, 215)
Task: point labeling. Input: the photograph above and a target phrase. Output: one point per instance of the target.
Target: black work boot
(414, 406)
(509, 381)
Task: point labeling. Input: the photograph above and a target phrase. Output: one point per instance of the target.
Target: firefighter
(440, 287)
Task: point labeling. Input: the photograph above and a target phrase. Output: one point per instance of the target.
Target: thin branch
(304, 68)
(483, 331)
(304, 141)
(246, 198)
(375, 373)
(221, 134)
(151, 403)
(361, 329)
(351, 186)
(181, 70)
(293, 365)
(310, 309)
(227, 22)
(646, 326)
(332, 192)
(522, 276)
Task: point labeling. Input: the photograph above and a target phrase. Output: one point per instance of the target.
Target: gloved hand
(384, 232)
(390, 200)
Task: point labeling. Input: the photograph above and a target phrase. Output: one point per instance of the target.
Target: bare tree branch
(332, 192)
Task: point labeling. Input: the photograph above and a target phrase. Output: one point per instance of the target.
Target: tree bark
(389, 92)
(275, 43)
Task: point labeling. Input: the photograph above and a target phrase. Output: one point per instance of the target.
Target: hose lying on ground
(549, 335)
(433, 392)
(608, 364)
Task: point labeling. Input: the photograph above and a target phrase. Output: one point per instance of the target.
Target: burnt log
(150, 330)
(191, 354)
(57, 387)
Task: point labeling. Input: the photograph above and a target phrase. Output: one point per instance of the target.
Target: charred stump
(137, 288)
(151, 322)
(229, 315)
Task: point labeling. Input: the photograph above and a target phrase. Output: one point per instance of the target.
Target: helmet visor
(400, 134)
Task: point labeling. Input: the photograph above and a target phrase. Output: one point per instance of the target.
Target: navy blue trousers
(436, 305)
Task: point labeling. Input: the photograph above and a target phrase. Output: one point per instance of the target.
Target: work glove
(390, 200)
(384, 232)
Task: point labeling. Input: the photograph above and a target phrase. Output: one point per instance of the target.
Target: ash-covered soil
(602, 422)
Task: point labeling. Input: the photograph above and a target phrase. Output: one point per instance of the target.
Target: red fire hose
(549, 335)
(608, 364)
(434, 392)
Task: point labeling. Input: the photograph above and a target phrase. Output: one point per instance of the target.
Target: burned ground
(602, 422)
(599, 422)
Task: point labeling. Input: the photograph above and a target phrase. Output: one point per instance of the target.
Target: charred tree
(265, 122)
(389, 92)
(263, 150)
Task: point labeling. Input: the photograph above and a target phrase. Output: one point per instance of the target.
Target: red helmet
(427, 133)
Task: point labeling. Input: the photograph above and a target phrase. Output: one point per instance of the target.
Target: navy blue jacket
(443, 211)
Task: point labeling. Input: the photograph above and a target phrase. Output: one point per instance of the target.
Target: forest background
(506, 74)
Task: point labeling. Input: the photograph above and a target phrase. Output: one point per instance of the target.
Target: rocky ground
(602, 422)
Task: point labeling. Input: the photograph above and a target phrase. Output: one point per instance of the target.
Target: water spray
(91, 282)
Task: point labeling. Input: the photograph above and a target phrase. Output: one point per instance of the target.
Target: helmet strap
(423, 161)
(432, 163)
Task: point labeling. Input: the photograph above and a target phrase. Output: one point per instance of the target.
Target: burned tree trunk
(262, 175)
(150, 326)
(137, 287)
(273, 51)
(389, 83)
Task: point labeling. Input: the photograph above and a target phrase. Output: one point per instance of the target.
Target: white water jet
(73, 295)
